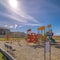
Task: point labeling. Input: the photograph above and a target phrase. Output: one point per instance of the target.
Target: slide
(50, 34)
(52, 40)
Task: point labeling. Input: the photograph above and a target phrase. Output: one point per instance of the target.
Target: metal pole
(44, 52)
(50, 52)
(47, 50)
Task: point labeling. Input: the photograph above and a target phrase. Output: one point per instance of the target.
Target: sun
(13, 4)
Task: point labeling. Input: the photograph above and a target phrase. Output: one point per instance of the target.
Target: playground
(35, 46)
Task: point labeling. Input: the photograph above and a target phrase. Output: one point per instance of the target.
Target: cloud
(5, 25)
(22, 15)
(13, 17)
(42, 9)
(30, 24)
(16, 26)
(20, 26)
(11, 26)
(58, 34)
(24, 12)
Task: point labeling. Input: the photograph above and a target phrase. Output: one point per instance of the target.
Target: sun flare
(13, 4)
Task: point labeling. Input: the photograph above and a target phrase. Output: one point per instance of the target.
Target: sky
(19, 15)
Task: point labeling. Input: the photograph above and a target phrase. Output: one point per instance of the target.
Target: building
(4, 31)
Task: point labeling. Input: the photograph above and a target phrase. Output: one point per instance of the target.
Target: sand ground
(25, 52)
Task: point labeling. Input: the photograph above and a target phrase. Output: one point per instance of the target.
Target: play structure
(44, 33)
(32, 37)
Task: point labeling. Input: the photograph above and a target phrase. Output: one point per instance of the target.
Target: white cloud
(32, 24)
(16, 26)
(20, 26)
(6, 26)
(13, 17)
(11, 27)
(23, 16)
(58, 34)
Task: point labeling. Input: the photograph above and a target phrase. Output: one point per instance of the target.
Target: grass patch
(2, 57)
(4, 39)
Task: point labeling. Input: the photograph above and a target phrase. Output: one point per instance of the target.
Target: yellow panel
(49, 26)
(41, 28)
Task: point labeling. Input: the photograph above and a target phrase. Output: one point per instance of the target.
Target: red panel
(33, 37)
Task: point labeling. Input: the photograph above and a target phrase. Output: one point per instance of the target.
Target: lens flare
(13, 4)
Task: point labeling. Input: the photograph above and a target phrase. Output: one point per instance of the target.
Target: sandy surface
(26, 52)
